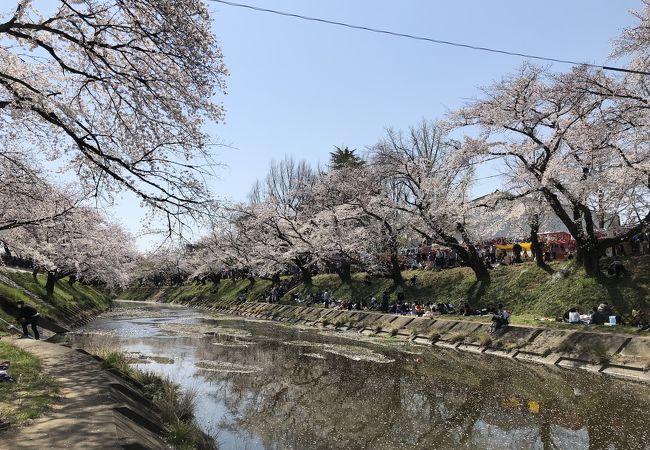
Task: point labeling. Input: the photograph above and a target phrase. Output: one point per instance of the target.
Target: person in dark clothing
(384, 301)
(596, 317)
(616, 268)
(28, 315)
(516, 251)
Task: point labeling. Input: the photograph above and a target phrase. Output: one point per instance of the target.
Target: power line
(489, 176)
(430, 40)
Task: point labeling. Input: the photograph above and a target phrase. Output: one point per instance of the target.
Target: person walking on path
(28, 315)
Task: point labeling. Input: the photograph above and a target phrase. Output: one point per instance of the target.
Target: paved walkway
(85, 416)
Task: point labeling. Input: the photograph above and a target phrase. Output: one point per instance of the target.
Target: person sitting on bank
(605, 309)
(640, 320)
(28, 315)
(574, 315)
(501, 315)
(596, 317)
(500, 318)
(443, 308)
(505, 315)
(616, 268)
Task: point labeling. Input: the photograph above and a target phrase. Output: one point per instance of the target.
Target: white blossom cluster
(110, 96)
(113, 93)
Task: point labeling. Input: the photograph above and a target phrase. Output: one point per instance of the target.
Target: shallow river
(264, 385)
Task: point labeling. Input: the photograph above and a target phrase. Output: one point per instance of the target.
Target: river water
(266, 385)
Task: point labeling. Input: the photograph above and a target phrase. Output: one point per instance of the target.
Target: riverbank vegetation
(67, 296)
(528, 291)
(174, 406)
(226, 290)
(32, 391)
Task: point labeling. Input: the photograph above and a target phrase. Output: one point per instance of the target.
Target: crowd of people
(500, 315)
(492, 256)
(597, 315)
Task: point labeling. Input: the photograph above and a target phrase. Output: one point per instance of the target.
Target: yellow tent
(508, 247)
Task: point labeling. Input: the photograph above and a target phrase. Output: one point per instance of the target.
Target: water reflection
(265, 385)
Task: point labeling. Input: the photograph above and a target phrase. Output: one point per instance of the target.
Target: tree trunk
(480, 270)
(589, 258)
(345, 272)
(466, 251)
(35, 274)
(395, 271)
(275, 278)
(330, 267)
(49, 285)
(470, 257)
(305, 275)
(72, 280)
(536, 246)
(588, 251)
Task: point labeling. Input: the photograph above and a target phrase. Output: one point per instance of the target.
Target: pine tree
(344, 157)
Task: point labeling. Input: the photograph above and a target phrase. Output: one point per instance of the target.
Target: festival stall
(506, 254)
(557, 244)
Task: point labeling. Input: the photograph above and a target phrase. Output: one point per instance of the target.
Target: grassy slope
(77, 295)
(26, 400)
(224, 292)
(526, 290)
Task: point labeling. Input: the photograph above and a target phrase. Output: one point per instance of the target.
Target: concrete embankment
(620, 355)
(97, 409)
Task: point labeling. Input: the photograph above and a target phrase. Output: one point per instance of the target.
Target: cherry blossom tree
(354, 224)
(82, 244)
(167, 264)
(435, 190)
(114, 92)
(220, 251)
(26, 198)
(275, 224)
(566, 142)
(245, 241)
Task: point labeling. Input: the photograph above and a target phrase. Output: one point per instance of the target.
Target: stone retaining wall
(621, 355)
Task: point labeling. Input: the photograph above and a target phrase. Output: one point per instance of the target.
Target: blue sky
(300, 88)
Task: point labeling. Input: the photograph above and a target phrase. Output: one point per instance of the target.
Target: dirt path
(86, 415)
